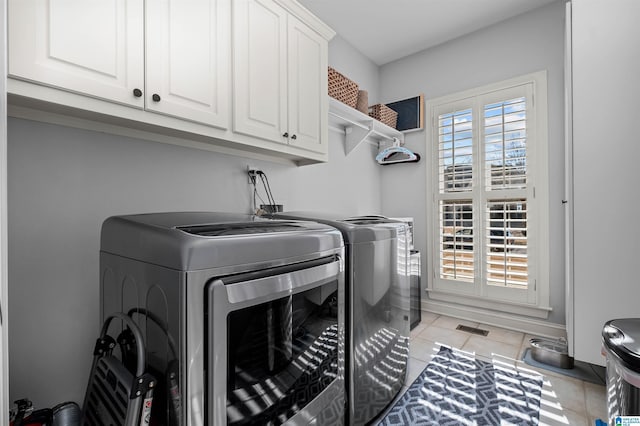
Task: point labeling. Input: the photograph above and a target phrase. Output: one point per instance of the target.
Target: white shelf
(359, 127)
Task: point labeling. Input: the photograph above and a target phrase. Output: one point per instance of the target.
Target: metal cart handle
(136, 333)
(159, 322)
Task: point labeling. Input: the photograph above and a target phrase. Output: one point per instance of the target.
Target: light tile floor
(565, 400)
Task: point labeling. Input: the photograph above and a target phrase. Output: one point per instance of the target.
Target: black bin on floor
(621, 344)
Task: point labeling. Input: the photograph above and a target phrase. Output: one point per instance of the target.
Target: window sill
(541, 312)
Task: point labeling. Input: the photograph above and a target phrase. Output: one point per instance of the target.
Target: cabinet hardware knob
(155, 97)
(137, 93)
(285, 135)
(294, 137)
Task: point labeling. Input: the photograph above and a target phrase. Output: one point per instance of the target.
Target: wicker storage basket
(363, 101)
(385, 114)
(342, 89)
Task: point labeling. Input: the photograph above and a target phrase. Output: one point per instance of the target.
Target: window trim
(538, 305)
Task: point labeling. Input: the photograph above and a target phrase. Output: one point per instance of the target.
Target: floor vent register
(473, 330)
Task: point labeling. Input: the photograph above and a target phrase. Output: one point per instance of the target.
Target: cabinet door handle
(285, 135)
(155, 97)
(137, 93)
(294, 137)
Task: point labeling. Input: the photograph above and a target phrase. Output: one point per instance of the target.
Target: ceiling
(386, 30)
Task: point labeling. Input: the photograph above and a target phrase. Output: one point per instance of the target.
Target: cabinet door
(307, 96)
(93, 47)
(188, 59)
(259, 69)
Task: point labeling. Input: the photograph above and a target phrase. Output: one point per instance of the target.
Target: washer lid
(622, 337)
(204, 240)
(242, 228)
(354, 229)
(370, 220)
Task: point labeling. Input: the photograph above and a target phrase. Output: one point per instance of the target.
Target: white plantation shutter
(482, 152)
(455, 129)
(505, 166)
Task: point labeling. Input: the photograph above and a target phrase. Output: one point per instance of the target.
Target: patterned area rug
(457, 389)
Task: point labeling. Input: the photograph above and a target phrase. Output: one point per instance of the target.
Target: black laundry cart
(621, 343)
(115, 396)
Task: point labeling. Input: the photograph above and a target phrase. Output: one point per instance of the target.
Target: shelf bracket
(354, 136)
(359, 127)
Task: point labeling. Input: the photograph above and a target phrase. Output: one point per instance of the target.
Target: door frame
(4, 332)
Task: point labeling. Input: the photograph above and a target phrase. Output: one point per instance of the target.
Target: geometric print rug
(457, 389)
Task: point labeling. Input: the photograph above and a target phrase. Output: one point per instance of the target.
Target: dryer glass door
(282, 343)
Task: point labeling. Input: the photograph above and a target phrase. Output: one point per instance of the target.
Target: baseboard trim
(497, 319)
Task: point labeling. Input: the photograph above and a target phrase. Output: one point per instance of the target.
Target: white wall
(64, 182)
(527, 43)
(606, 66)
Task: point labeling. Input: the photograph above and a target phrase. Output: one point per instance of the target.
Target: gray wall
(64, 182)
(527, 43)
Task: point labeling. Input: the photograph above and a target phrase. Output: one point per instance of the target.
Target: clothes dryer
(243, 317)
(377, 308)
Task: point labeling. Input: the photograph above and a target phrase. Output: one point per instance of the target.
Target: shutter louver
(505, 145)
(506, 243)
(455, 148)
(456, 240)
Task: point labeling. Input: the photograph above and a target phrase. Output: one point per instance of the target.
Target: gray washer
(182, 276)
(377, 308)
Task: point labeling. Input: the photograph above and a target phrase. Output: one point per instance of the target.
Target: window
(488, 183)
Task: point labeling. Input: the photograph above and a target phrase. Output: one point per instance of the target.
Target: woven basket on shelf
(342, 89)
(363, 101)
(384, 114)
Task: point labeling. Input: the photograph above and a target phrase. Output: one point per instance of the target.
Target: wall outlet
(252, 175)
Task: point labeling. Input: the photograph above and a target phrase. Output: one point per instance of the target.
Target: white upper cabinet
(260, 69)
(93, 47)
(280, 76)
(187, 54)
(97, 48)
(307, 83)
(171, 60)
